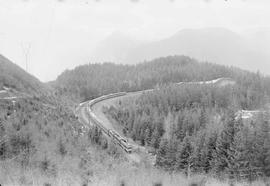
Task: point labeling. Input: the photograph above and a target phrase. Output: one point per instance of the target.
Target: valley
(134, 93)
(41, 124)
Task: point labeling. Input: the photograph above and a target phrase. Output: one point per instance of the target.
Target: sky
(45, 37)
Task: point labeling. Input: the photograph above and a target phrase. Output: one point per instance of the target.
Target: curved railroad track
(91, 112)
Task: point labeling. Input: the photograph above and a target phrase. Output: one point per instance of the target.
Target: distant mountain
(115, 48)
(260, 39)
(12, 76)
(216, 45)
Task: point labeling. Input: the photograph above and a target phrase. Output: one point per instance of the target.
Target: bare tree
(26, 51)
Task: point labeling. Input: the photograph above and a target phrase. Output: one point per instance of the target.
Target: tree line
(92, 80)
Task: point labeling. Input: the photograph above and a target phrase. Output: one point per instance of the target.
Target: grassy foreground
(97, 170)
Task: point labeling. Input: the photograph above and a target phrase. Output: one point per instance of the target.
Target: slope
(12, 76)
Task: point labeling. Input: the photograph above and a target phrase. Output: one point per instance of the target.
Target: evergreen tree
(199, 154)
(224, 143)
(234, 159)
(210, 152)
(155, 138)
(263, 146)
(161, 159)
(184, 156)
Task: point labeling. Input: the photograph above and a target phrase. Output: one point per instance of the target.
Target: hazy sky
(56, 35)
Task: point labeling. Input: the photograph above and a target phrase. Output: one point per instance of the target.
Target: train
(116, 138)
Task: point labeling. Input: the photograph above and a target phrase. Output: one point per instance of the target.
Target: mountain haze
(260, 38)
(115, 48)
(216, 45)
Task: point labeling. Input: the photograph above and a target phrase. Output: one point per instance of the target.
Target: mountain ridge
(213, 44)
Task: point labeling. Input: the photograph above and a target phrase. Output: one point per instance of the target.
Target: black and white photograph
(134, 92)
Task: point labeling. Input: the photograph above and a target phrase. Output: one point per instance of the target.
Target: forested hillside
(195, 128)
(44, 144)
(92, 80)
(12, 76)
(190, 128)
(41, 140)
(35, 128)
